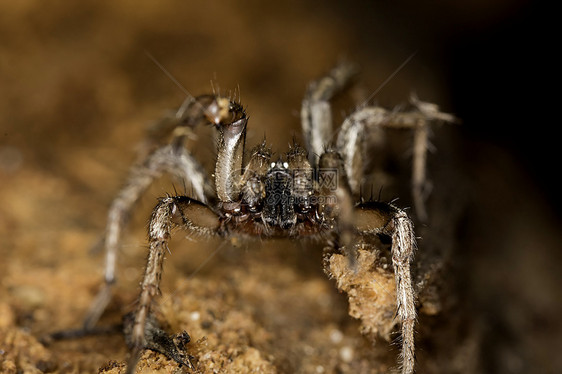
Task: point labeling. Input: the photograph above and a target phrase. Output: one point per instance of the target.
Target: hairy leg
(377, 218)
(171, 212)
(173, 159)
(316, 114)
(169, 159)
(420, 184)
(372, 219)
(350, 142)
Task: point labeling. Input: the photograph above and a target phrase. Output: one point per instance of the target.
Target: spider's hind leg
(316, 114)
(173, 159)
(356, 127)
(430, 113)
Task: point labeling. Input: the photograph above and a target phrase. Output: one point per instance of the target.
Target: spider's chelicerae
(312, 190)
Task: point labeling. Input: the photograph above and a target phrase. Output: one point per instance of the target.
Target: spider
(311, 191)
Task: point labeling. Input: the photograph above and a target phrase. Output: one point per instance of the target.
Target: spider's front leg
(375, 293)
(386, 219)
(171, 212)
(193, 216)
(368, 220)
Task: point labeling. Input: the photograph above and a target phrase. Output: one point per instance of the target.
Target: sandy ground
(77, 92)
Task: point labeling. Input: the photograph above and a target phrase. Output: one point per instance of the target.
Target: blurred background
(78, 90)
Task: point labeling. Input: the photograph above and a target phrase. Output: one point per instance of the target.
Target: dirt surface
(77, 92)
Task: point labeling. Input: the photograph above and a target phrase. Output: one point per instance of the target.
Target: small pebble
(346, 354)
(336, 336)
(195, 316)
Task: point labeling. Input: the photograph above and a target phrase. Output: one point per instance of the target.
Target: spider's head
(278, 192)
(278, 207)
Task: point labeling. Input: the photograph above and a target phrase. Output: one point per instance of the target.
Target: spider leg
(420, 184)
(371, 219)
(350, 142)
(403, 247)
(171, 212)
(316, 115)
(231, 122)
(173, 159)
(170, 159)
(376, 218)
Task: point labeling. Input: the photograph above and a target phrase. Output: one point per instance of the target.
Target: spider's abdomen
(278, 209)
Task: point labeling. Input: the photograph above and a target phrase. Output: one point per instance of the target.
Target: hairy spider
(311, 191)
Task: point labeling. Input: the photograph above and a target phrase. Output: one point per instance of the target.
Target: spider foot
(158, 340)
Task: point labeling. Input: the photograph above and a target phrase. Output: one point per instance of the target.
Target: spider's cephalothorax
(278, 198)
(309, 191)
